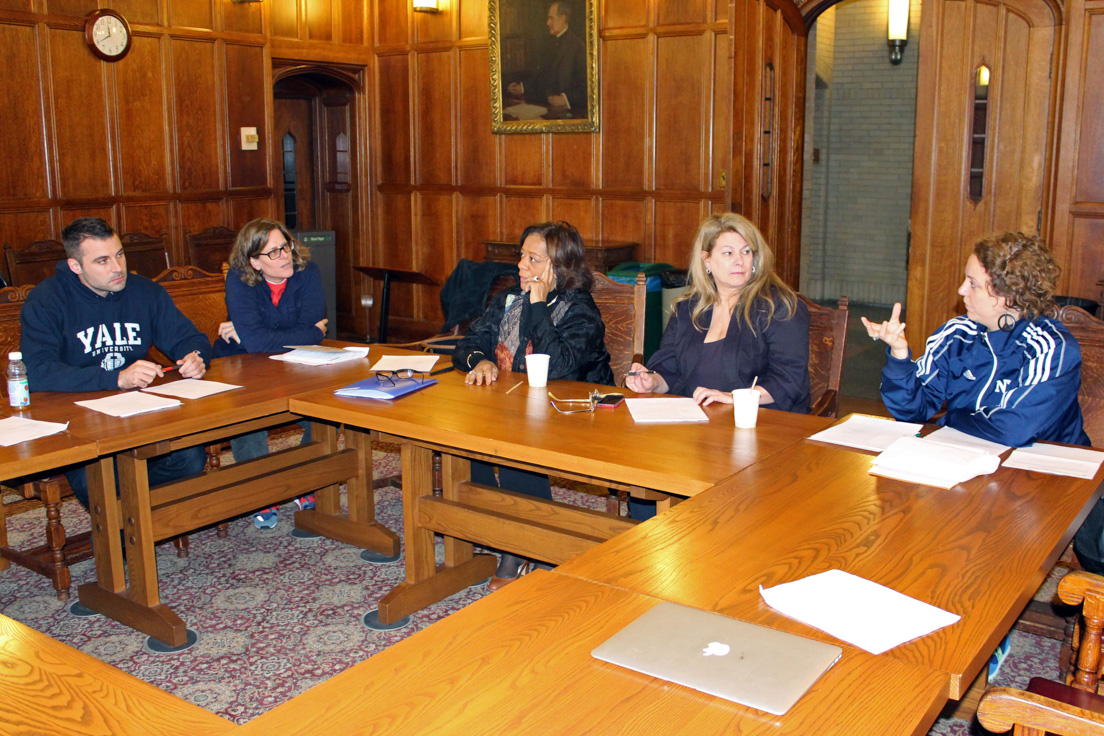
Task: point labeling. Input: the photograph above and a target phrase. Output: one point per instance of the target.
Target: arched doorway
(316, 166)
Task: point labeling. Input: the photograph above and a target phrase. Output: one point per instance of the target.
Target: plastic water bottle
(19, 393)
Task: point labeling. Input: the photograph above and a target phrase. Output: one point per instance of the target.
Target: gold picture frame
(537, 49)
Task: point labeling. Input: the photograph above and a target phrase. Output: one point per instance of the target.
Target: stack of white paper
(914, 460)
(420, 363)
(14, 430)
(308, 356)
(858, 611)
(665, 410)
(1077, 462)
(954, 438)
(867, 433)
(191, 388)
(128, 403)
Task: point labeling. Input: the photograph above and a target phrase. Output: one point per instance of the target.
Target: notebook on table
(745, 663)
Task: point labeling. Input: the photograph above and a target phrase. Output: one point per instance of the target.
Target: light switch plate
(249, 139)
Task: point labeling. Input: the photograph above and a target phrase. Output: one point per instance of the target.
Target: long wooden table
(147, 515)
(980, 549)
(518, 661)
(517, 426)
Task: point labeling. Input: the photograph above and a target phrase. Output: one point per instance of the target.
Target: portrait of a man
(543, 65)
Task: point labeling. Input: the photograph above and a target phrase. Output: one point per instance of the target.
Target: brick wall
(857, 197)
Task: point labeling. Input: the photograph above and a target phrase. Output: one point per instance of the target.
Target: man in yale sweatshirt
(90, 325)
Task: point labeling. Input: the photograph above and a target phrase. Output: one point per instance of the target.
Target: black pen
(640, 373)
(439, 371)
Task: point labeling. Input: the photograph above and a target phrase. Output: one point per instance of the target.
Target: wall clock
(107, 34)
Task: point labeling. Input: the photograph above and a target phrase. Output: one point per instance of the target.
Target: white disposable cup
(536, 368)
(745, 407)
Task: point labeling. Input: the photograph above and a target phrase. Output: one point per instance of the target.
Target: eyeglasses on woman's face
(275, 253)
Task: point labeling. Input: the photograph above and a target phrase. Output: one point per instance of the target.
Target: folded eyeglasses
(403, 374)
(590, 402)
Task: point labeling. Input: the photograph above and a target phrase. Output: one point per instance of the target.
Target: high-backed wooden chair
(1089, 332)
(1028, 714)
(145, 254)
(53, 558)
(200, 295)
(210, 249)
(622, 308)
(33, 264)
(827, 337)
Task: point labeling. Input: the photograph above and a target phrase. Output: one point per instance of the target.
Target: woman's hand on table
(891, 332)
(484, 372)
(320, 324)
(706, 396)
(643, 381)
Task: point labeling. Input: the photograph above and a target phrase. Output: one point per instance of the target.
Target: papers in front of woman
(867, 433)
(858, 611)
(1077, 462)
(128, 403)
(932, 463)
(14, 430)
(665, 410)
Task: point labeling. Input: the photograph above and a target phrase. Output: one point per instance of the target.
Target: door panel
(294, 117)
(1014, 40)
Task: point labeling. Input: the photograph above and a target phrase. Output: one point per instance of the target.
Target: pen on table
(515, 386)
(439, 371)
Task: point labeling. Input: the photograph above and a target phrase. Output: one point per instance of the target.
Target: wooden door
(973, 173)
(768, 121)
(293, 137)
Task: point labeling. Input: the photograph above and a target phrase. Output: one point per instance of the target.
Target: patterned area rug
(276, 615)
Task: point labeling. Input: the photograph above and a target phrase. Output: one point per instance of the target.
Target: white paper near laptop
(14, 430)
(1077, 462)
(665, 410)
(916, 460)
(858, 611)
(422, 363)
(191, 388)
(867, 433)
(128, 403)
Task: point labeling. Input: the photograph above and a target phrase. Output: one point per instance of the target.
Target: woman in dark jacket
(551, 312)
(737, 323)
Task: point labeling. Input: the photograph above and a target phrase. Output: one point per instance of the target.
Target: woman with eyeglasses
(274, 298)
(551, 312)
(736, 324)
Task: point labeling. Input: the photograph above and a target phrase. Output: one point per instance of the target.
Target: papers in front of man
(525, 111)
(419, 363)
(128, 403)
(916, 460)
(858, 611)
(1077, 462)
(867, 433)
(954, 438)
(191, 388)
(14, 430)
(665, 410)
(316, 355)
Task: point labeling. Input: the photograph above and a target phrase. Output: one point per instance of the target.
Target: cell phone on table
(610, 401)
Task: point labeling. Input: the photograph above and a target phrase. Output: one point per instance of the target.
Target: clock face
(108, 35)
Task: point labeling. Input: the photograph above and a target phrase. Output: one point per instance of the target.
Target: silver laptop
(745, 663)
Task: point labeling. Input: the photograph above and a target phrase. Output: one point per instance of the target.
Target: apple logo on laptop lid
(716, 649)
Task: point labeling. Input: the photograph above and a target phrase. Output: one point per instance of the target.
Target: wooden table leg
(426, 583)
(358, 527)
(139, 605)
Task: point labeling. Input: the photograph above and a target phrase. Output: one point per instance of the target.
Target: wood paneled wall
(444, 183)
(150, 143)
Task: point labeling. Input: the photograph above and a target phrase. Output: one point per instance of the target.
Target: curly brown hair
(567, 253)
(1021, 270)
(252, 239)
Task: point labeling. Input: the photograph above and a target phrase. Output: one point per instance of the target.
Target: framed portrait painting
(544, 66)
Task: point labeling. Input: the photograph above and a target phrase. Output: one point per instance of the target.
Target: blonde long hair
(758, 289)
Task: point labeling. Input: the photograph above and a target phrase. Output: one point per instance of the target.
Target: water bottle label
(19, 393)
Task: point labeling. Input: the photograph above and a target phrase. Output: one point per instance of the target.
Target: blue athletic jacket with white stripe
(1009, 387)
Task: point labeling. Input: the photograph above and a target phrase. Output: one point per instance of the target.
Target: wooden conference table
(517, 426)
(149, 515)
(980, 549)
(518, 661)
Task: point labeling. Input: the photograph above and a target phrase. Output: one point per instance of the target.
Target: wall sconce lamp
(426, 6)
(898, 29)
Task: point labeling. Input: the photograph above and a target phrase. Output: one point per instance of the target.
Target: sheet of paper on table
(191, 388)
(867, 433)
(14, 430)
(954, 438)
(128, 403)
(665, 410)
(858, 611)
(420, 363)
(1077, 462)
(312, 356)
(916, 460)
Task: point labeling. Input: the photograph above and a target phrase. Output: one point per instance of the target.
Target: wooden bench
(51, 688)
